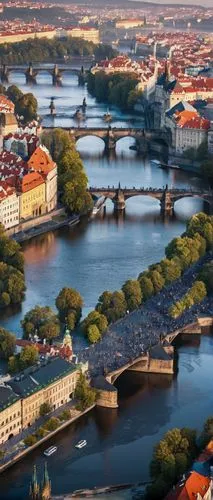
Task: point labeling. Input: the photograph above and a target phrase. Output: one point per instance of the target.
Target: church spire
(46, 485)
(34, 486)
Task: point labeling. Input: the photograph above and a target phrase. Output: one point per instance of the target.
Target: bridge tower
(56, 75)
(166, 203)
(81, 76)
(4, 74)
(119, 200)
(30, 74)
(109, 140)
(52, 107)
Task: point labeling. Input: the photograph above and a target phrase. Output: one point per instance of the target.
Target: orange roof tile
(194, 484)
(30, 181)
(41, 160)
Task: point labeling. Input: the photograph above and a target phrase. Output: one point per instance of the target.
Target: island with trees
(26, 105)
(118, 89)
(42, 50)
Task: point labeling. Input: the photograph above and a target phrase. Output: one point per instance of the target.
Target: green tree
(93, 334)
(40, 433)
(28, 356)
(7, 343)
(198, 291)
(41, 321)
(158, 280)
(157, 490)
(14, 93)
(69, 301)
(171, 270)
(113, 305)
(45, 408)
(30, 440)
(52, 424)
(65, 415)
(133, 294)
(206, 275)
(147, 287)
(27, 107)
(95, 318)
(85, 394)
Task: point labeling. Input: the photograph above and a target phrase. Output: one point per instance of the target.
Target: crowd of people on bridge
(133, 335)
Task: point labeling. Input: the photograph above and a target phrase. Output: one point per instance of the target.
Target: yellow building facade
(10, 413)
(32, 196)
(56, 394)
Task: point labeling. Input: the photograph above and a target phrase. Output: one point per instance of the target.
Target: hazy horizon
(204, 3)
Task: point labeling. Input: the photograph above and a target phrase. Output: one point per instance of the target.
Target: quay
(42, 224)
(21, 454)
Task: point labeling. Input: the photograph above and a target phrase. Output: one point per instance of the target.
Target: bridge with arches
(166, 196)
(111, 135)
(32, 71)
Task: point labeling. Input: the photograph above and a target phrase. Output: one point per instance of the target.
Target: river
(98, 255)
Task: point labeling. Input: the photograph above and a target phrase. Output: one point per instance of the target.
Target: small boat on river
(81, 444)
(50, 451)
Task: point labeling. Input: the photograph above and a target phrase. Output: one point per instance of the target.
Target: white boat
(155, 163)
(95, 210)
(81, 444)
(50, 451)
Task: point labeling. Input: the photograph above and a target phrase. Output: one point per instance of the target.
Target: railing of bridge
(150, 189)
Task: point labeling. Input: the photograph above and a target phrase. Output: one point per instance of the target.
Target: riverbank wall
(42, 224)
(26, 451)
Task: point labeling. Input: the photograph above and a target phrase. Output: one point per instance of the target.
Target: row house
(188, 128)
(28, 189)
(31, 190)
(53, 381)
(22, 144)
(42, 163)
(9, 205)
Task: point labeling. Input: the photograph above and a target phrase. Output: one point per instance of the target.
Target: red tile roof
(189, 489)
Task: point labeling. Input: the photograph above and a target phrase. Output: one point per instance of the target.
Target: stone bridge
(111, 136)
(31, 72)
(159, 359)
(167, 197)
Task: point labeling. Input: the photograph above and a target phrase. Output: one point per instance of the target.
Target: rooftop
(35, 378)
(7, 397)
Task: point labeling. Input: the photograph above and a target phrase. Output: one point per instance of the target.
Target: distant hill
(140, 4)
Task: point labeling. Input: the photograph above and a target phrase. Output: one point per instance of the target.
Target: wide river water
(94, 256)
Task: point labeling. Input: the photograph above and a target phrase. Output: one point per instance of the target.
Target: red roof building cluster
(6, 106)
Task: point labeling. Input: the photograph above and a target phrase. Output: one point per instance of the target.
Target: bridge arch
(192, 195)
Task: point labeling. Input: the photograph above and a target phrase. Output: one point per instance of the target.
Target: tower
(46, 485)
(34, 486)
(52, 106)
(155, 50)
(167, 71)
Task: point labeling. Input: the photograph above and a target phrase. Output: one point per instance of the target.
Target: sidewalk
(16, 444)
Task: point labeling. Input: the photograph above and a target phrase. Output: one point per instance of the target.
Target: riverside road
(133, 335)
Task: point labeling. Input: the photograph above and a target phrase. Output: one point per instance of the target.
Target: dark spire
(34, 486)
(46, 485)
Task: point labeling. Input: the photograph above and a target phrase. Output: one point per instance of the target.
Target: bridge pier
(56, 76)
(166, 204)
(30, 74)
(119, 200)
(4, 74)
(81, 77)
(109, 140)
